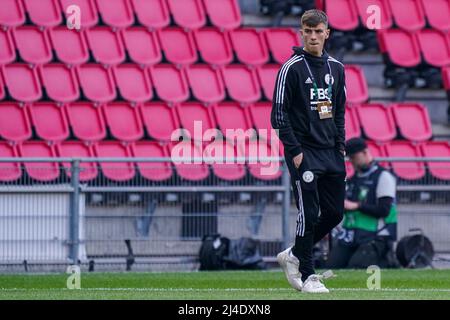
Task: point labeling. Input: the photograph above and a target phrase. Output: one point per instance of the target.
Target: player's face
(314, 38)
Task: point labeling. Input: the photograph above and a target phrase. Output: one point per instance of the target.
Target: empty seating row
(406, 49)
(108, 46)
(379, 122)
(125, 122)
(188, 171)
(346, 15)
(156, 171)
(411, 170)
(208, 83)
(64, 84)
(190, 14)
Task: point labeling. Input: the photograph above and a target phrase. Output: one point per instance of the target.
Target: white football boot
(289, 263)
(313, 284)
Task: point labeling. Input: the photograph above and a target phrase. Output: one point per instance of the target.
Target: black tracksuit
(319, 183)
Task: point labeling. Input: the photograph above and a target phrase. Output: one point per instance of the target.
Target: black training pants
(319, 184)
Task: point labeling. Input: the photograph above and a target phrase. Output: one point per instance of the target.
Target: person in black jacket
(308, 114)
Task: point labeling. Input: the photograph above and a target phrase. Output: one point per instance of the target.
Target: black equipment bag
(244, 253)
(415, 251)
(221, 253)
(212, 252)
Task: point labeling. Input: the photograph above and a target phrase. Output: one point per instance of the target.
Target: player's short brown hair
(312, 18)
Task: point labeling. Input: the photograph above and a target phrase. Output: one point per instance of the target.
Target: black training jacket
(294, 100)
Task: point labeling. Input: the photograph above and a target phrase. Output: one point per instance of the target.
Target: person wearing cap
(369, 228)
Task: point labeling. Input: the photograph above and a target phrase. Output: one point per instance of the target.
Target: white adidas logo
(308, 80)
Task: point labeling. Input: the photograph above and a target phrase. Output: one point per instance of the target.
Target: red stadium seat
(142, 46)
(280, 42)
(430, 149)
(352, 126)
(214, 46)
(70, 45)
(249, 46)
(401, 46)
(261, 169)
(435, 47)
(116, 171)
(342, 14)
(153, 171)
(22, 82)
(78, 149)
(188, 170)
(2, 86)
(378, 151)
(408, 14)
(385, 13)
(446, 77)
(124, 121)
(178, 45)
(260, 116)
(50, 121)
(45, 13)
(377, 122)
(267, 75)
(97, 82)
(86, 121)
(356, 85)
(60, 82)
(33, 44)
(437, 12)
(170, 83)
(319, 4)
(133, 82)
(41, 171)
(242, 83)
(12, 13)
(88, 10)
(413, 121)
(223, 155)
(224, 14)
(14, 122)
(9, 171)
(233, 120)
(188, 13)
(7, 49)
(189, 113)
(116, 13)
(160, 120)
(206, 83)
(106, 45)
(152, 13)
(406, 170)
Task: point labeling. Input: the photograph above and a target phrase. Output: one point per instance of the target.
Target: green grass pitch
(226, 285)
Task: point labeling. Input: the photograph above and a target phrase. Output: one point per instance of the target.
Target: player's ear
(327, 33)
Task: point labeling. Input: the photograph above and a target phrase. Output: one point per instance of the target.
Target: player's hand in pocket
(298, 160)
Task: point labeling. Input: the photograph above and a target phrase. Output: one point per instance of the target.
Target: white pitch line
(225, 289)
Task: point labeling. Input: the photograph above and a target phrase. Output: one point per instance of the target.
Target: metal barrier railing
(71, 218)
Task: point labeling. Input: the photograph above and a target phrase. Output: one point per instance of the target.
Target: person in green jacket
(369, 227)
